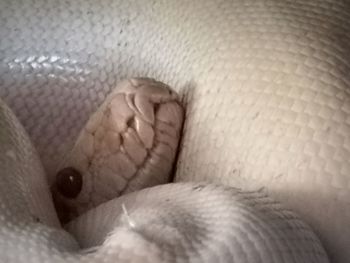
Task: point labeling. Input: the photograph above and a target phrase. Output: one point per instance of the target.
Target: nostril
(69, 182)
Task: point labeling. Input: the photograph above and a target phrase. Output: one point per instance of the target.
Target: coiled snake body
(265, 85)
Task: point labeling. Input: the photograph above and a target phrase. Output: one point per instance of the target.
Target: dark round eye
(69, 182)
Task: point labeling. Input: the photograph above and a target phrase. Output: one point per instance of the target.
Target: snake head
(128, 144)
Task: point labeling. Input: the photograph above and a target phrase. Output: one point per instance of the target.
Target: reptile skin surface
(265, 85)
(179, 222)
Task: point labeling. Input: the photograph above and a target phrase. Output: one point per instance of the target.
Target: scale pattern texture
(184, 222)
(265, 83)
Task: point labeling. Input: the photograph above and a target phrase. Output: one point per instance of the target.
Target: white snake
(265, 85)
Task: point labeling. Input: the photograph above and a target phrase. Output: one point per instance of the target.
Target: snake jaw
(129, 143)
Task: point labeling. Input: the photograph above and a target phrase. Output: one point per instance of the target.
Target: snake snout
(128, 144)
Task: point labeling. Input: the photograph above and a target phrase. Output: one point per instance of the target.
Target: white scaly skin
(179, 222)
(265, 85)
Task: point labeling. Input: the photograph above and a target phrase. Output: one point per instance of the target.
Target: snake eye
(69, 182)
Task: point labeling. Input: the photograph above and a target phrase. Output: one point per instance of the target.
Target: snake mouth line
(128, 144)
(151, 155)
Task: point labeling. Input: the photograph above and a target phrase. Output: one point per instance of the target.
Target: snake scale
(265, 86)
